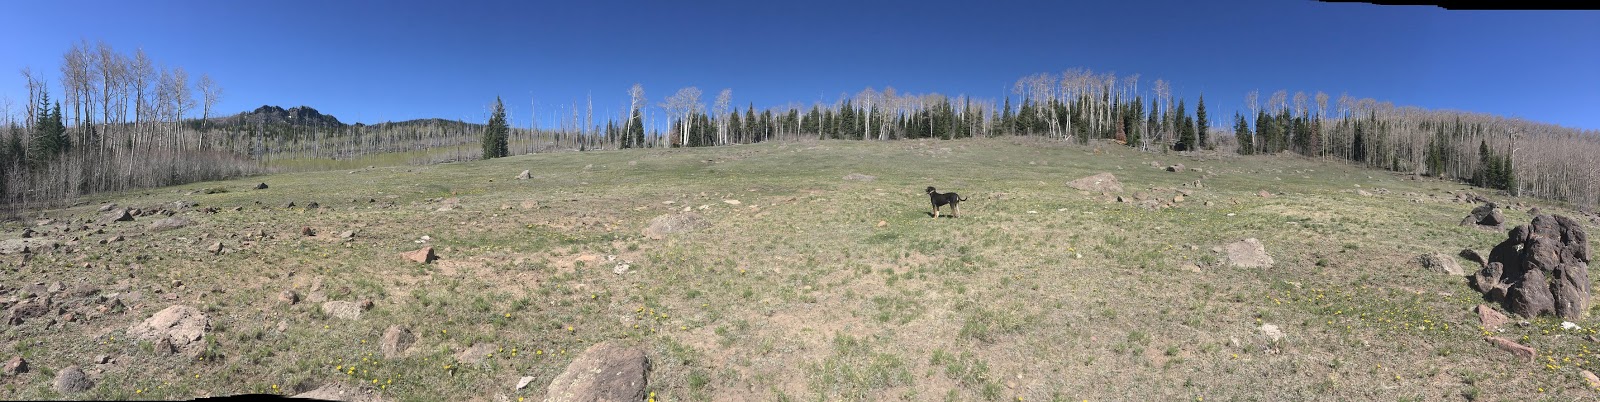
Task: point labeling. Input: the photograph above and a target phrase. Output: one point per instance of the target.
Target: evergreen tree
(1200, 117)
(1008, 120)
(1241, 131)
(49, 134)
(633, 135)
(497, 133)
(1184, 128)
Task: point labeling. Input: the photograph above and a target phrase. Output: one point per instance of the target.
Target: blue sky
(373, 61)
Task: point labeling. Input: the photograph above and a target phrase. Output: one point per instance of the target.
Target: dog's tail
(963, 199)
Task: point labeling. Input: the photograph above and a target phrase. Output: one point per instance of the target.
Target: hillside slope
(800, 284)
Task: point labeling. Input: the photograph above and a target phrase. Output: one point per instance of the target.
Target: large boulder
(181, 326)
(1541, 268)
(1099, 183)
(607, 371)
(1487, 216)
(72, 380)
(397, 340)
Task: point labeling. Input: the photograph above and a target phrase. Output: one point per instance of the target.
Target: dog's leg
(955, 210)
(935, 212)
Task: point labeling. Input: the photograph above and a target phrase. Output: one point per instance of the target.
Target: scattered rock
(342, 309)
(883, 224)
(16, 366)
(423, 255)
(1363, 193)
(216, 248)
(262, 186)
(1175, 168)
(1098, 183)
(289, 205)
(1487, 216)
(860, 177)
(523, 383)
(166, 224)
(181, 326)
(606, 371)
(1438, 262)
(524, 175)
(1490, 318)
(397, 340)
(1517, 349)
(347, 234)
(313, 205)
(1589, 377)
(621, 268)
(1272, 332)
(1264, 194)
(288, 297)
(664, 225)
(477, 353)
(1472, 255)
(72, 380)
(732, 202)
(117, 215)
(340, 392)
(28, 233)
(107, 207)
(1248, 253)
(308, 231)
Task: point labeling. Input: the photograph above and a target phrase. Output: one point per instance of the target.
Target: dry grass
(1037, 291)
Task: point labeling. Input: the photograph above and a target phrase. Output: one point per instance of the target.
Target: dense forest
(120, 121)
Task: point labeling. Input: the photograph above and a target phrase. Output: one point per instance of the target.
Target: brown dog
(940, 200)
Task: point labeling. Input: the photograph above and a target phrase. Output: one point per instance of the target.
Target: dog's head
(929, 190)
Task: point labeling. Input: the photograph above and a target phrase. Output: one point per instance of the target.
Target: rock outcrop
(1541, 268)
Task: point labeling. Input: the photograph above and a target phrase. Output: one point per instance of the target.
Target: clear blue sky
(373, 61)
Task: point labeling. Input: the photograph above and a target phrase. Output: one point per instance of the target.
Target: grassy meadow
(804, 286)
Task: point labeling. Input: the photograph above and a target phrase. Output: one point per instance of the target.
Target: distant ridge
(274, 115)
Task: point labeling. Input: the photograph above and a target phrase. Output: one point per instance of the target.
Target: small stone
(308, 231)
(102, 359)
(347, 234)
(342, 310)
(1272, 332)
(883, 224)
(396, 341)
(1489, 318)
(16, 366)
(423, 255)
(523, 383)
(1517, 349)
(262, 186)
(288, 297)
(216, 248)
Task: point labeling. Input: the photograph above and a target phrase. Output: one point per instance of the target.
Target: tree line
(116, 123)
(118, 109)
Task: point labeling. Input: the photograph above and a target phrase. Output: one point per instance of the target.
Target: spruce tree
(49, 134)
(1200, 117)
(633, 134)
(1241, 131)
(497, 133)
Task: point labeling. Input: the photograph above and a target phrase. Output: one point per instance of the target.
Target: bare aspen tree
(140, 73)
(1300, 103)
(211, 93)
(720, 110)
(1279, 100)
(683, 105)
(35, 89)
(865, 100)
(1163, 98)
